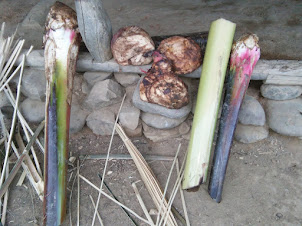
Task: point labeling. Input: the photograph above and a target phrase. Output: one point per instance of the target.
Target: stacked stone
(284, 108)
(96, 101)
(33, 106)
(251, 121)
(161, 123)
(104, 100)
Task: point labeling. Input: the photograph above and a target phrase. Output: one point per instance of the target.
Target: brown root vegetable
(161, 86)
(184, 53)
(131, 45)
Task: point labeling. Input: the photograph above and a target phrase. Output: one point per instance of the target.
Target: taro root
(131, 46)
(161, 86)
(184, 53)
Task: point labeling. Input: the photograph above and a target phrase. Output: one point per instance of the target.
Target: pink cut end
(143, 71)
(72, 35)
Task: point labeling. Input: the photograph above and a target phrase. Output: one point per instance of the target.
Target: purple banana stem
(244, 56)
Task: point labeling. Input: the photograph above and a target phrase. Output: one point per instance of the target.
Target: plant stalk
(245, 54)
(61, 50)
(208, 99)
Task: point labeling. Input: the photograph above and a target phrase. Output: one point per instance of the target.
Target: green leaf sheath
(208, 99)
(63, 116)
(61, 42)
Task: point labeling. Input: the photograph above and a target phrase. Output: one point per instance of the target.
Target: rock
(36, 16)
(157, 109)
(126, 79)
(7, 112)
(161, 122)
(95, 27)
(157, 135)
(101, 122)
(285, 117)
(32, 27)
(77, 118)
(275, 92)
(4, 102)
(129, 117)
(129, 93)
(34, 84)
(104, 93)
(33, 110)
(250, 134)
(137, 132)
(85, 88)
(92, 77)
(251, 112)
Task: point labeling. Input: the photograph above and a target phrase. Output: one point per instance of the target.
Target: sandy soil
(264, 180)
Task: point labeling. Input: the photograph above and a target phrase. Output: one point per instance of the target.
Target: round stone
(285, 117)
(275, 92)
(251, 112)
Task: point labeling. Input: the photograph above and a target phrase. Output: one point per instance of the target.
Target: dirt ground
(263, 184)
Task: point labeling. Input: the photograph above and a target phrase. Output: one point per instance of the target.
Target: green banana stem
(208, 99)
(61, 49)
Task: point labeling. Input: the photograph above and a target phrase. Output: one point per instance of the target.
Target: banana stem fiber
(244, 56)
(215, 64)
(61, 49)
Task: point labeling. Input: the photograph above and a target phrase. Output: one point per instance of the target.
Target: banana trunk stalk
(208, 99)
(244, 56)
(61, 49)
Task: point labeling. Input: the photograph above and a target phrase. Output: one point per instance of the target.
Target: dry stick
(70, 197)
(126, 157)
(24, 123)
(10, 78)
(25, 128)
(182, 197)
(146, 173)
(11, 61)
(78, 207)
(11, 98)
(5, 198)
(141, 202)
(106, 163)
(112, 199)
(20, 159)
(13, 122)
(97, 213)
(28, 161)
(172, 198)
(38, 186)
(2, 140)
(174, 190)
(21, 179)
(167, 183)
(113, 195)
(5, 145)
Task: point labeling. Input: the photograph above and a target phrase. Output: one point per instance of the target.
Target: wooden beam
(263, 69)
(284, 80)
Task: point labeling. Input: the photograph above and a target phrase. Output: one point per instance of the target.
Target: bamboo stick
(142, 204)
(113, 200)
(107, 158)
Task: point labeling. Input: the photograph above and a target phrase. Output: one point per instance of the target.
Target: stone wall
(97, 97)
